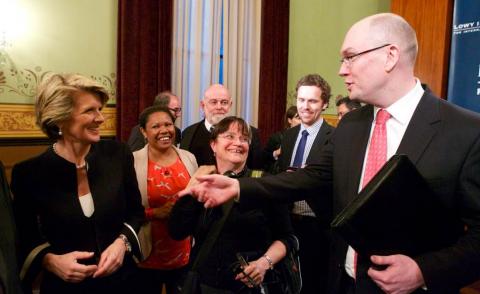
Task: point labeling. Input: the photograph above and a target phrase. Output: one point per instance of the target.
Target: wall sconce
(3, 47)
(12, 22)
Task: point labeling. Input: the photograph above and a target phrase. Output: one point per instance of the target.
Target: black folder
(397, 213)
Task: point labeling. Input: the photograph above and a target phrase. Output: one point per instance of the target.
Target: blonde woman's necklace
(78, 166)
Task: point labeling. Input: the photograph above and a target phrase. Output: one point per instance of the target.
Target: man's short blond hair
(55, 99)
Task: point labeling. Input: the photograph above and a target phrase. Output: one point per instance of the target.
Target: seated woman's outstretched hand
(256, 270)
(213, 190)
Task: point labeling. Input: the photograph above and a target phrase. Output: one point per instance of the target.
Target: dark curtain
(144, 57)
(273, 66)
(144, 61)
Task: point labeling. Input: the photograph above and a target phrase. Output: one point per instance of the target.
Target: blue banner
(464, 73)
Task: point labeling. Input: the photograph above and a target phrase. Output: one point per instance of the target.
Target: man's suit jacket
(322, 210)
(443, 141)
(9, 278)
(255, 154)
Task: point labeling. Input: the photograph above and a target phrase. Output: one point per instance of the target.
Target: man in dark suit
(216, 105)
(167, 99)
(441, 139)
(310, 226)
(9, 279)
(345, 105)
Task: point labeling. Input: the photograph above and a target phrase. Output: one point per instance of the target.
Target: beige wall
(50, 36)
(45, 36)
(317, 28)
(56, 35)
(80, 36)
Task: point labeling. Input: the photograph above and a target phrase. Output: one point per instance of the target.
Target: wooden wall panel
(432, 20)
(10, 155)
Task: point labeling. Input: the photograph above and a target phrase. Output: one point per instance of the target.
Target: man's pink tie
(377, 151)
(376, 155)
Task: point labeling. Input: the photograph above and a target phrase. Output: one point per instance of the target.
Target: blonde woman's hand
(67, 268)
(111, 259)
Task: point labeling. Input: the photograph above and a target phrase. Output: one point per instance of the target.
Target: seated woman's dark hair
(145, 115)
(289, 114)
(225, 123)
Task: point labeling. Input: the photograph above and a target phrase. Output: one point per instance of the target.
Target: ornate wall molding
(18, 121)
(23, 82)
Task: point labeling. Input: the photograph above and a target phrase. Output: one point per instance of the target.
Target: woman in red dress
(162, 170)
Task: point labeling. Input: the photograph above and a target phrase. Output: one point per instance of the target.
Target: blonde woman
(77, 205)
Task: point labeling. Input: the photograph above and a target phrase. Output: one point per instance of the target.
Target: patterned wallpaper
(18, 120)
(24, 82)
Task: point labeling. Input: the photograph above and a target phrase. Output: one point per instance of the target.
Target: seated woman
(258, 234)
(162, 170)
(77, 205)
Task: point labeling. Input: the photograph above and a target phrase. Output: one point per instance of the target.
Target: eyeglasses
(223, 102)
(176, 110)
(231, 137)
(347, 60)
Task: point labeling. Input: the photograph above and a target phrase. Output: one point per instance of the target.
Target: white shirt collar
(208, 125)
(402, 110)
(313, 129)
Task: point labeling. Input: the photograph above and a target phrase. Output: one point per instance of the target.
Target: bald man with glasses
(216, 105)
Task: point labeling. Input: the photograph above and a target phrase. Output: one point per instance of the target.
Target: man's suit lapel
(420, 131)
(188, 136)
(422, 128)
(288, 143)
(359, 137)
(320, 140)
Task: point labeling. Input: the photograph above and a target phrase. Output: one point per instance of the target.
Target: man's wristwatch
(128, 246)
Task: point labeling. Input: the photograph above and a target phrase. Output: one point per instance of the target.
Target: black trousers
(152, 280)
(314, 247)
(347, 284)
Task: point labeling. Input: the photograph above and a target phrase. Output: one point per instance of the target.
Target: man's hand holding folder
(401, 275)
(395, 218)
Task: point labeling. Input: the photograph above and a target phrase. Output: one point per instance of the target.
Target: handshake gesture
(213, 190)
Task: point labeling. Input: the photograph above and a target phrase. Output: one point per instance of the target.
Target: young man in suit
(313, 95)
(167, 99)
(216, 105)
(378, 57)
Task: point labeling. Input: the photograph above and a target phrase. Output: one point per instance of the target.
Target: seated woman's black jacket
(246, 230)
